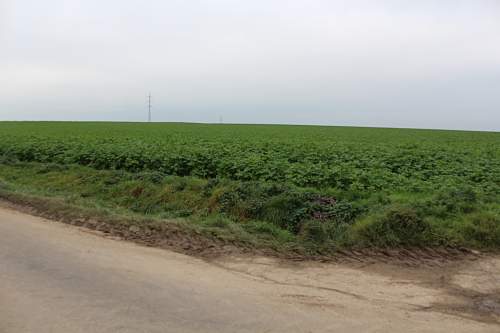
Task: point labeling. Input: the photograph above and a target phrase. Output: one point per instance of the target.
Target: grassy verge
(201, 214)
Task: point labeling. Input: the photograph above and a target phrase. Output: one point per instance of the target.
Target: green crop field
(321, 187)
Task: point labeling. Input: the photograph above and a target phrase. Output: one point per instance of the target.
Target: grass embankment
(256, 214)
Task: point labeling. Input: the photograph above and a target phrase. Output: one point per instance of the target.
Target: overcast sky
(391, 63)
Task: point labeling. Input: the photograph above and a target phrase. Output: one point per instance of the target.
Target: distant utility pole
(149, 108)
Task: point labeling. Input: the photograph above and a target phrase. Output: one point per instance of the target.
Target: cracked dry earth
(60, 278)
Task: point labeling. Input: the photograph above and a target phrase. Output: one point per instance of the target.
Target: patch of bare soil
(467, 289)
(472, 291)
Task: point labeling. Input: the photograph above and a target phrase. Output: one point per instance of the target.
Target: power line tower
(149, 108)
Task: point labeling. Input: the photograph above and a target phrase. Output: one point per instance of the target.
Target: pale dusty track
(58, 278)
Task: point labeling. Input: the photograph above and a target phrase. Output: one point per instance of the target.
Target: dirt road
(58, 278)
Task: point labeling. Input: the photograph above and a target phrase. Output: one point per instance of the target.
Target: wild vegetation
(321, 188)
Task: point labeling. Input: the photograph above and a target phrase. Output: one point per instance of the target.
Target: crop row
(337, 165)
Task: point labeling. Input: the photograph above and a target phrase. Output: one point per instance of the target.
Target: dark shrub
(286, 210)
(484, 230)
(327, 208)
(314, 231)
(398, 226)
